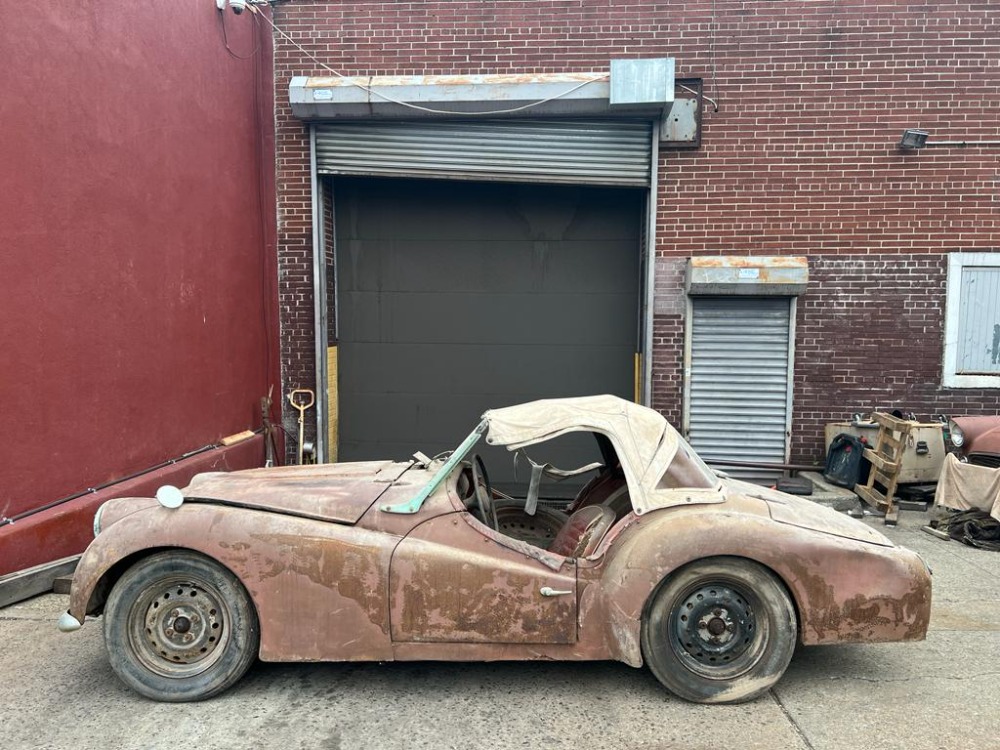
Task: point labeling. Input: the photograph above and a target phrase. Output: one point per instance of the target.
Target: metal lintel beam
(333, 97)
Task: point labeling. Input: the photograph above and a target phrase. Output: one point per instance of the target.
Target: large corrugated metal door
(591, 152)
(739, 388)
(455, 297)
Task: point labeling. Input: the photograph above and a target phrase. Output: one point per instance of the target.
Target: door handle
(549, 591)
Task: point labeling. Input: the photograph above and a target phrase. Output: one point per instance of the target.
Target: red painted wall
(136, 239)
(800, 159)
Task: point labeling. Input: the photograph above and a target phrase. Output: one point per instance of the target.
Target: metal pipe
(98, 488)
(764, 465)
(319, 304)
(649, 292)
(790, 375)
(959, 144)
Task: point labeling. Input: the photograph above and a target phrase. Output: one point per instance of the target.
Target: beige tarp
(968, 487)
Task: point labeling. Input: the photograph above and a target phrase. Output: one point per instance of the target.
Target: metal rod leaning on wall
(105, 485)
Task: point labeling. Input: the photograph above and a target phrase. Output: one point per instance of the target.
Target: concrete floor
(58, 692)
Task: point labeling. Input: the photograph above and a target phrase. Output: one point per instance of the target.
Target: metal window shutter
(590, 152)
(978, 332)
(739, 381)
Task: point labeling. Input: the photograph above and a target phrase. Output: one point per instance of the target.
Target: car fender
(831, 579)
(320, 588)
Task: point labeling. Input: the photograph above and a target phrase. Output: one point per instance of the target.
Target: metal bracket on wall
(680, 125)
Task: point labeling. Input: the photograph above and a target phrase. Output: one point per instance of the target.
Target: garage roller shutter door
(739, 383)
(585, 152)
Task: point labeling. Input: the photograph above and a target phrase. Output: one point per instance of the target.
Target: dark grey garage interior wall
(455, 297)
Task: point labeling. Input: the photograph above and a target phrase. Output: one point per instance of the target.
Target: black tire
(720, 630)
(539, 529)
(180, 627)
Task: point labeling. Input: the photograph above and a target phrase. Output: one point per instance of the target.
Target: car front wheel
(180, 627)
(720, 630)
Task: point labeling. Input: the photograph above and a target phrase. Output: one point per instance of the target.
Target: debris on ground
(977, 528)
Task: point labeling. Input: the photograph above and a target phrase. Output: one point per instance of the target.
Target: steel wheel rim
(179, 626)
(716, 630)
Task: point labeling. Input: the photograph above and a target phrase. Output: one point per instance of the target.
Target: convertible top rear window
(687, 470)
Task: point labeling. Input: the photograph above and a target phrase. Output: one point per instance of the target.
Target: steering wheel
(484, 493)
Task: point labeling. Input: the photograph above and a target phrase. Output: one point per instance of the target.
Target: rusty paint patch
(437, 584)
(329, 492)
(739, 261)
(452, 582)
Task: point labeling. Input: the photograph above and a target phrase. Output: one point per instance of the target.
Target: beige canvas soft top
(644, 441)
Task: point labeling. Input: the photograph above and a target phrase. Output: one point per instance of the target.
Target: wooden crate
(885, 459)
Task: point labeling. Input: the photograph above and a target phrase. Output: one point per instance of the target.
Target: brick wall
(870, 335)
(799, 159)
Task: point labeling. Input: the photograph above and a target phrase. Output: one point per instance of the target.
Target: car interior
(539, 511)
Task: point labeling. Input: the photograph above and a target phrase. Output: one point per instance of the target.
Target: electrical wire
(372, 92)
(225, 39)
(702, 95)
(262, 226)
(265, 280)
(715, 71)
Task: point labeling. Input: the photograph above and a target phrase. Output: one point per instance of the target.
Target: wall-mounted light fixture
(916, 139)
(913, 139)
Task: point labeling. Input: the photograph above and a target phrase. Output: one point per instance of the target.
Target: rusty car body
(708, 580)
(975, 439)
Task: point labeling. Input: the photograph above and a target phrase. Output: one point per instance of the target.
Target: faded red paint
(326, 492)
(399, 586)
(134, 266)
(452, 583)
(845, 590)
(981, 436)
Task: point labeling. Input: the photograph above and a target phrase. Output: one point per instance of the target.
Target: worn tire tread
(782, 632)
(241, 648)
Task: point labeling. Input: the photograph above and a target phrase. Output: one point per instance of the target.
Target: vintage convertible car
(708, 580)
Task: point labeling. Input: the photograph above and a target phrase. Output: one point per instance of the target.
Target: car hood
(806, 514)
(328, 492)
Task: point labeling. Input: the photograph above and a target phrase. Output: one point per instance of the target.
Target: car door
(453, 580)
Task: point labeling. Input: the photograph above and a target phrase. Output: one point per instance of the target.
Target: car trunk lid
(806, 514)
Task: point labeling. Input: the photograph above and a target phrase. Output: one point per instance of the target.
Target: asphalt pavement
(58, 691)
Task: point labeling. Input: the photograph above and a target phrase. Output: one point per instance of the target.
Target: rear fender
(843, 590)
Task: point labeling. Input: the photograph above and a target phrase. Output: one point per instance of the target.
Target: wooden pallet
(885, 458)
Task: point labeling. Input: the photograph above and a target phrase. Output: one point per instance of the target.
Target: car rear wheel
(720, 630)
(180, 627)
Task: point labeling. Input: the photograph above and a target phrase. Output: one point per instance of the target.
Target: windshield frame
(416, 502)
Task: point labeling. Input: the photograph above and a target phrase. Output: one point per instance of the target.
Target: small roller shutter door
(739, 382)
(978, 340)
(583, 152)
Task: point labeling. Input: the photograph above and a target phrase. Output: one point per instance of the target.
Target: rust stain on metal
(731, 261)
(326, 82)
(451, 583)
(327, 492)
(335, 579)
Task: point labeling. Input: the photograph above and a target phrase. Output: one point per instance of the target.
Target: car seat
(583, 531)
